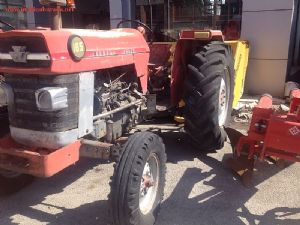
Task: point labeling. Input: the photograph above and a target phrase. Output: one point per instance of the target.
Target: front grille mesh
(24, 113)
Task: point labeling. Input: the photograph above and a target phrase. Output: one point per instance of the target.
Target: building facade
(21, 18)
(268, 26)
(271, 26)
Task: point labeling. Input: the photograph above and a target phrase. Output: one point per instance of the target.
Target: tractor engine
(114, 92)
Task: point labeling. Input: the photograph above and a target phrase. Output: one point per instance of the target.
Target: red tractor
(73, 92)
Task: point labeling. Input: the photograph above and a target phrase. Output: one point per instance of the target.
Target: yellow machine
(241, 56)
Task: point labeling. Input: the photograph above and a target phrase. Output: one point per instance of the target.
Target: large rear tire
(138, 182)
(11, 182)
(209, 95)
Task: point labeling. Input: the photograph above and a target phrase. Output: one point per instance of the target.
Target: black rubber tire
(15, 184)
(4, 128)
(10, 185)
(206, 69)
(126, 181)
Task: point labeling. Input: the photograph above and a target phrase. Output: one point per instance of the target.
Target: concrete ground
(199, 191)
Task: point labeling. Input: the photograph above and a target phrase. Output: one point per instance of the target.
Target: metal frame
(272, 134)
(37, 162)
(42, 139)
(86, 103)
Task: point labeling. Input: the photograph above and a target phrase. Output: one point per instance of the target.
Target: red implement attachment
(271, 135)
(36, 162)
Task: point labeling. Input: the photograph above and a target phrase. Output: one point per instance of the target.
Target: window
(16, 18)
(168, 17)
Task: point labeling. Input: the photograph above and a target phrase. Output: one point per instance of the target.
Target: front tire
(138, 182)
(209, 95)
(12, 182)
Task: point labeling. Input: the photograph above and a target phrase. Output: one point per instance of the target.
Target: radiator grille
(24, 113)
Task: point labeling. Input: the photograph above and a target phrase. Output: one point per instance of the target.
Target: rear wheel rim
(223, 100)
(149, 184)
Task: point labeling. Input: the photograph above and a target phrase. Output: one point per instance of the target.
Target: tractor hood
(68, 51)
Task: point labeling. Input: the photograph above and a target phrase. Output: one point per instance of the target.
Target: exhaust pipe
(56, 18)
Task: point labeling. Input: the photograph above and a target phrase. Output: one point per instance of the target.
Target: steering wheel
(7, 24)
(139, 23)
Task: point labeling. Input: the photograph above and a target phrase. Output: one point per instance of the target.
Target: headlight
(3, 96)
(76, 47)
(51, 98)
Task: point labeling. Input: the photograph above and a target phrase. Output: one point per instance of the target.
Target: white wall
(257, 5)
(266, 24)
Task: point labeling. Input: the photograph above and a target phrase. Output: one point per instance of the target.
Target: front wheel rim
(149, 184)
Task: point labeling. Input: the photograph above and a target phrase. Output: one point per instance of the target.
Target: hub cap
(223, 101)
(149, 184)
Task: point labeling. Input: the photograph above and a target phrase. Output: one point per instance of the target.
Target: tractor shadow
(221, 203)
(215, 196)
(23, 203)
(222, 200)
(31, 202)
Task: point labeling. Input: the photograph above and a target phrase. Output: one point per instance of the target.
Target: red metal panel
(265, 102)
(271, 134)
(261, 115)
(295, 103)
(283, 135)
(161, 53)
(179, 70)
(141, 67)
(104, 49)
(184, 48)
(36, 162)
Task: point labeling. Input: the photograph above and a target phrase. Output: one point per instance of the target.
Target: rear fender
(186, 46)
